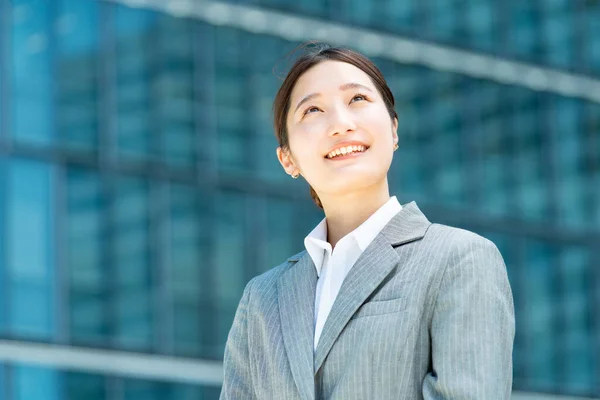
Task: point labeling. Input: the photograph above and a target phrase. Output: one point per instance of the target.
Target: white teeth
(346, 150)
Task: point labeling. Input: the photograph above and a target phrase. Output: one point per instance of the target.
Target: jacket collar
(296, 294)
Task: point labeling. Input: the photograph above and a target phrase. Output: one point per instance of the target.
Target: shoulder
(267, 281)
(457, 239)
(467, 255)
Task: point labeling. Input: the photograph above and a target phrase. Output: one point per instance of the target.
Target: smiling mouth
(346, 152)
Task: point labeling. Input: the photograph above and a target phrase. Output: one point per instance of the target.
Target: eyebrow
(345, 86)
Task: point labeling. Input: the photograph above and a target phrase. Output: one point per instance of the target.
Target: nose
(341, 121)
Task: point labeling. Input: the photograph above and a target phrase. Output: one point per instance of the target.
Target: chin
(349, 182)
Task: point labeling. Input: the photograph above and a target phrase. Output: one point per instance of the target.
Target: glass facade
(140, 191)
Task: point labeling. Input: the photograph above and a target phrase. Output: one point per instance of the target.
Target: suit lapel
(296, 296)
(374, 264)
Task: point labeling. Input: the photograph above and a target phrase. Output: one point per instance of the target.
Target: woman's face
(335, 105)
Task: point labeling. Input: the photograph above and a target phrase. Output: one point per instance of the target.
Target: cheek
(304, 145)
(379, 126)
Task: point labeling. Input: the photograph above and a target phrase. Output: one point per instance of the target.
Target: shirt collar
(316, 244)
(368, 230)
(316, 241)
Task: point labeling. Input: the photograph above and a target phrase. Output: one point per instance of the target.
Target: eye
(359, 97)
(309, 110)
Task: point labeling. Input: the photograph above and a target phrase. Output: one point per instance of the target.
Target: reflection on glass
(78, 385)
(86, 266)
(76, 74)
(280, 244)
(136, 60)
(189, 270)
(30, 250)
(35, 383)
(133, 279)
(539, 317)
(31, 68)
(174, 88)
(576, 339)
(230, 267)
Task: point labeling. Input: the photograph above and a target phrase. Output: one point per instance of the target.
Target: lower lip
(347, 156)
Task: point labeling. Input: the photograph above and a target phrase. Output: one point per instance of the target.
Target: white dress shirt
(333, 266)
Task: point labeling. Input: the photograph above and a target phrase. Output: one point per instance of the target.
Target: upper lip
(346, 143)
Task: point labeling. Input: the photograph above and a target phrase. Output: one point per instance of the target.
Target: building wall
(140, 191)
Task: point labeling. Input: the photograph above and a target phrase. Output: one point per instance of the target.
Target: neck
(348, 211)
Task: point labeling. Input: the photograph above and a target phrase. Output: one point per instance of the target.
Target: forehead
(328, 76)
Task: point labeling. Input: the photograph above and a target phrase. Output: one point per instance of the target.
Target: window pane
(190, 271)
(86, 259)
(575, 332)
(175, 87)
(3, 242)
(522, 30)
(230, 101)
(32, 71)
(133, 279)
(532, 182)
(79, 386)
(539, 317)
(281, 243)
(136, 60)
(35, 383)
(30, 266)
(231, 270)
(77, 74)
(482, 23)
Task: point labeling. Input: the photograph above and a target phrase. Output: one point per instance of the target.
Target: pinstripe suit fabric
(425, 313)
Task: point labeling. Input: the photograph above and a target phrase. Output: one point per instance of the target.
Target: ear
(395, 130)
(286, 160)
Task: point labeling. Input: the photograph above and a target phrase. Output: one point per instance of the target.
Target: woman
(382, 304)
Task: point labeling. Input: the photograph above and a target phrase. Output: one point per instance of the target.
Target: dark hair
(313, 56)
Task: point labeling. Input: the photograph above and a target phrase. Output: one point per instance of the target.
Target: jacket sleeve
(237, 381)
(473, 326)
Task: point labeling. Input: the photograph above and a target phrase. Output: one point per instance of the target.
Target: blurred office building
(140, 190)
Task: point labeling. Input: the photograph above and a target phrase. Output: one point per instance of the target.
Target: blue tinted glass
(481, 23)
(133, 279)
(522, 30)
(3, 241)
(77, 73)
(443, 18)
(230, 269)
(572, 174)
(592, 39)
(494, 163)
(134, 389)
(175, 90)
(357, 11)
(592, 127)
(281, 242)
(187, 392)
(539, 317)
(557, 32)
(86, 259)
(532, 182)
(396, 15)
(136, 119)
(30, 266)
(32, 71)
(189, 270)
(575, 333)
(79, 385)
(35, 383)
(230, 101)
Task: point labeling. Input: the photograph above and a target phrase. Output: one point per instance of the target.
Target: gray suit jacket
(425, 313)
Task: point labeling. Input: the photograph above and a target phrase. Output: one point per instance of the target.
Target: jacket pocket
(381, 307)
